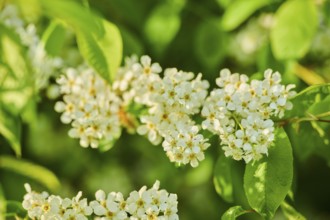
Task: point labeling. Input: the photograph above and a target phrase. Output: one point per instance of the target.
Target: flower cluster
(43, 65)
(171, 101)
(45, 206)
(241, 112)
(90, 106)
(145, 204)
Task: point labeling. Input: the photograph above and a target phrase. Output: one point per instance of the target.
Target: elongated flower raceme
(241, 112)
(145, 204)
(90, 106)
(95, 109)
(171, 100)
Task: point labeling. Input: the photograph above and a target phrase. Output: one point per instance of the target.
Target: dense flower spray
(153, 203)
(239, 112)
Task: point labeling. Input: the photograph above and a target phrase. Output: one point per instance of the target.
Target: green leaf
(210, 54)
(15, 209)
(31, 170)
(2, 204)
(103, 53)
(239, 10)
(290, 213)
(307, 99)
(321, 106)
(268, 181)
(162, 26)
(223, 3)
(10, 128)
(16, 83)
(233, 212)
(292, 35)
(303, 139)
(107, 145)
(73, 14)
(53, 38)
(223, 178)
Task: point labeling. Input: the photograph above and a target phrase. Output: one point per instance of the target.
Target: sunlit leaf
(233, 212)
(239, 10)
(73, 14)
(290, 213)
(308, 76)
(292, 33)
(223, 178)
(268, 181)
(53, 38)
(103, 53)
(16, 81)
(31, 170)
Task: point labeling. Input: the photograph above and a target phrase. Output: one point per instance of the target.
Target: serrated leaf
(290, 213)
(233, 212)
(73, 14)
(307, 98)
(239, 10)
(292, 35)
(103, 53)
(223, 178)
(31, 170)
(53, 38)
(10, 128)
(210, 54)
(268, 181)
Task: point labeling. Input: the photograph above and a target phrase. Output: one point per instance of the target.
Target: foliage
(43, 41)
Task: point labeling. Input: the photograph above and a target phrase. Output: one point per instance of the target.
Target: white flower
(239, 112)
(90, 106)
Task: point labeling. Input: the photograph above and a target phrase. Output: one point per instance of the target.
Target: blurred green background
(197, 36)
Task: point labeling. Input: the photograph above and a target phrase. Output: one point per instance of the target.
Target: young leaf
(239, 10)
(233, 212)
(290, 213)
(72, 14)
(268, 181)
(31, 170)
(223, 178)
(103, 53)
(53, 38)
(10, 128)
(291, 36)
